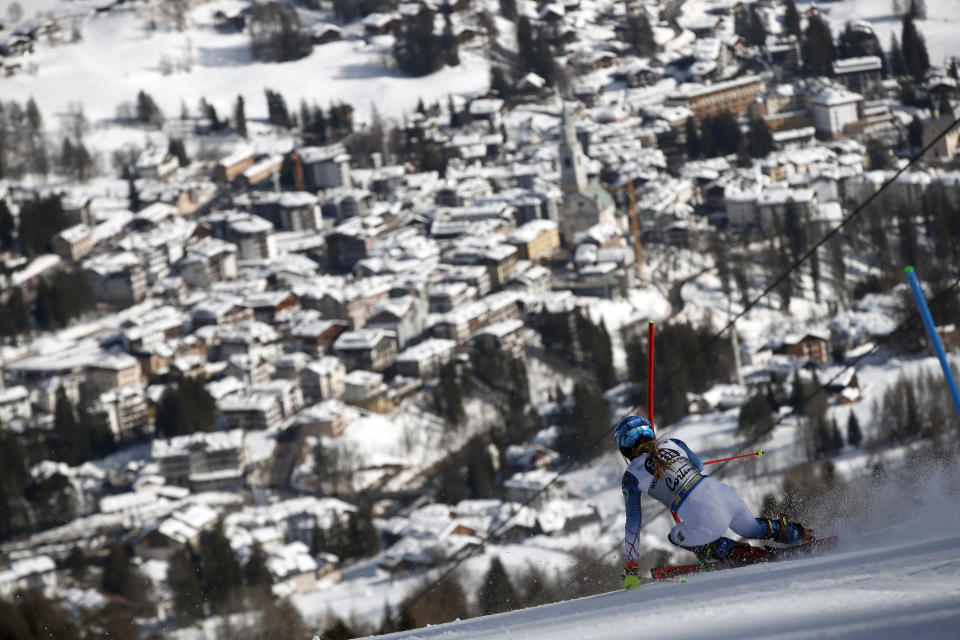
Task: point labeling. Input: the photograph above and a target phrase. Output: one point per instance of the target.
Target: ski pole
(755, 454)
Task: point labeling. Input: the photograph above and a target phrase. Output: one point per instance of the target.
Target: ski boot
(729, 552)
(779, 530)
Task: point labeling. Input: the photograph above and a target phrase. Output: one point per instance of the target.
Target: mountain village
(356, 341)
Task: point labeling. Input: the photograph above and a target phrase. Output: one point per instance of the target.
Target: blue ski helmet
(630, 431)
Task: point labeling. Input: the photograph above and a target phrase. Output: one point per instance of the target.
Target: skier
(671, 473)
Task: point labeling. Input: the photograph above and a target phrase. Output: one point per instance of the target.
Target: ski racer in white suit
(672, 474)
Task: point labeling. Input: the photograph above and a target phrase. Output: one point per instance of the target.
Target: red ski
(742, 555)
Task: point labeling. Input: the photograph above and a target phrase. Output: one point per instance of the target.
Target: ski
(765, 554)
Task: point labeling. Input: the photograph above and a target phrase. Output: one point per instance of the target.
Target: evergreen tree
(917, 10)
(185, 407)
(19, 315)
(277, 34)
(77, 563)
(97, 433)
(448, 397)
(818, 52)
(858, 42)
(588, 420)
(40, 220)
(82, 162)
(417, 50)
(499, 83)
(117, 573)
(791, 18)
(480, 480)
(66, 159)
(147, 110)
(759, 138)
(222, 574)
(748, 23)
(31, 616)
(544, 62)
(277, 112)
(756, 418)
(363, 538)
(914, 49)
(898, 66)
(449, 44)
(508, 9)
(184, 582)
(240, 118)
(455, 117)
(255, 572)
(43, 307)
(176, 148)
(283, 620)
(72, 446)
(7, 227)
(595, 348)
(743, 153)
(36, 145)
(387, 623)
(133, 193)
(438, 603)
(449, 483)
(526, 50)
(15, 514)
(719, 135)
(497, 593)
(694, 145)
(639, 33)
(338, 630)
(836, 438)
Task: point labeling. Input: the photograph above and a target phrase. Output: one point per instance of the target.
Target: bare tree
(175, 12)
(14, 12)
(75, 121)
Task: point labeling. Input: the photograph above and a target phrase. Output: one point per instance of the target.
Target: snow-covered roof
(857, 65)
(365, 338)
(835, 97)
(429, 348)
(213, 441)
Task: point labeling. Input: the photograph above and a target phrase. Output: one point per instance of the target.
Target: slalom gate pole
(934, 337)
(650, 373)
(755, 454)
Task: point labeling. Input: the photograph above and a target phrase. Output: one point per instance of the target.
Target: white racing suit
(706, 507)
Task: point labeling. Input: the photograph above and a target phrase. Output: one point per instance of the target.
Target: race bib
(678, 479)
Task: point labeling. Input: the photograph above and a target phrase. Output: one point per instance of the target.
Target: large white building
(834, 109)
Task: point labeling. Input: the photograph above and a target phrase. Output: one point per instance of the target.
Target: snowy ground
(118, 57)
(939, 29)
(900, 578)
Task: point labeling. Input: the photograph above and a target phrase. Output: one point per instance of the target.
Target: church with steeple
(584, 204)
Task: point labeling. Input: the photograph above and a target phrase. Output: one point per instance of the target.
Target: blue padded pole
(934, 337)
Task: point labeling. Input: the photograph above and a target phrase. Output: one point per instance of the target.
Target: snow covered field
(118, 57)
(939, 29)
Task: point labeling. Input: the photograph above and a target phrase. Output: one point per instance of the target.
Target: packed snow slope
(896, 574)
